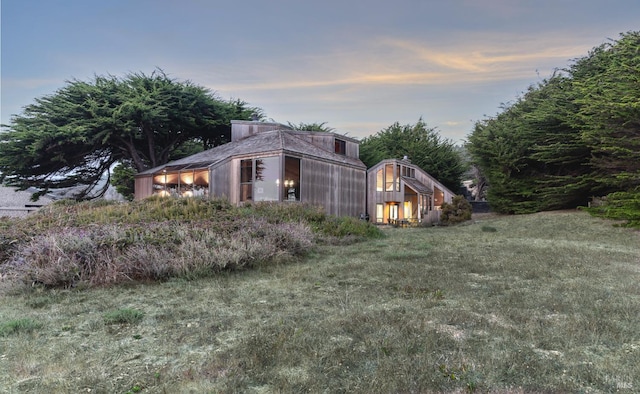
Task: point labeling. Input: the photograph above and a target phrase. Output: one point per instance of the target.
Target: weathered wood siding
(339, 189)
(222, 178)
(143, 187)
(322, 140)
(241, 129)
(327, 142)
(353, 149)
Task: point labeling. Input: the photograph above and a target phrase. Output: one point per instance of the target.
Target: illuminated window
(388, 177)
(379, 180)
(393, 211)
(407, 209)
(181, 181)
(291, 182)
(438, 197)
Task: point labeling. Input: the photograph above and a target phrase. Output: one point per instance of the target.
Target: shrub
(104, 255)
(103, 243)
(345, 226)
(459, 210)
(620, 206)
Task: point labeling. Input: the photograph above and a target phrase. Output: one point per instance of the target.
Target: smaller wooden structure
(401, 193)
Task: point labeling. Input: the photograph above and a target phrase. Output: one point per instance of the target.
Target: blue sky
(358, 65)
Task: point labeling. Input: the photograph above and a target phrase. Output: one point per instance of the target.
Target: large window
(438, 197)
(388, 177)
(259, 179)
(424, 204)
(407, 210)
(392, 181)
(379, 213)
(181, 181)
(246, 180)
(291, 183)
(393, 211)
(379, 180)
(267, 176)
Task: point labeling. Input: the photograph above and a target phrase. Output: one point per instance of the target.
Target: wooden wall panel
(353, 149)
(241, 129)
(143, 187)
(221, 180)
(339, 189)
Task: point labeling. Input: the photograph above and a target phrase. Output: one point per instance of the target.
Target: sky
(358, 65)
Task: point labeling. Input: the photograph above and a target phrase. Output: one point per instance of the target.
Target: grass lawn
(548, 302)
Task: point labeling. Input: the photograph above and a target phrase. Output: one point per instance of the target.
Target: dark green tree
(123, 179)
(607, 93)
(571, 137)
(74, 136)
(422, 145)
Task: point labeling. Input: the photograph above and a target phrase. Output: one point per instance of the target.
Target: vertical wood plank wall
(222, 178)
(341, 190)
(143, 187)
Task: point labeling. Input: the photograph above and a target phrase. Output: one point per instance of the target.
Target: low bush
(459, 210)
(104, 243)
(104, 255)
(340, 227)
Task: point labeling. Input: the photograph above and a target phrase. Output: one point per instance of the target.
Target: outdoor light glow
(187, 179)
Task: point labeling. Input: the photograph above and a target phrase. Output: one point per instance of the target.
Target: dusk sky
(358, 65)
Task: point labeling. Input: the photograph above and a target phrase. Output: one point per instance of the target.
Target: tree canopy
(422, 145)
(573, 136)
(74, 136)
(318, 127)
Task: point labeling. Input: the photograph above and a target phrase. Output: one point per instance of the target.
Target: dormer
(241, 129)
(335, 143)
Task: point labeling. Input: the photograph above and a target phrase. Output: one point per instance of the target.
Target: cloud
(463, 59)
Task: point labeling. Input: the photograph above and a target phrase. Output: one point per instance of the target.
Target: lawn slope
(548, 302)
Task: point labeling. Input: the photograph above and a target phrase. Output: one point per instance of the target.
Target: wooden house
(268, 162)
(401, 192)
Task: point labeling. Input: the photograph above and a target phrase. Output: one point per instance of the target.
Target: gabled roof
(263, 142)
(413, 183)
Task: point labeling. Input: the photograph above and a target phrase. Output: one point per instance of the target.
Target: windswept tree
(74, 137)
(574, 136)
(422, 145)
